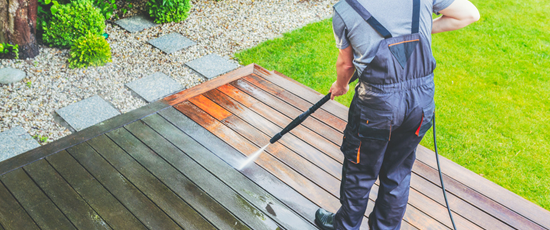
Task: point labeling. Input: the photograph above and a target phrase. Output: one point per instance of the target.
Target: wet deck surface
(171, 165)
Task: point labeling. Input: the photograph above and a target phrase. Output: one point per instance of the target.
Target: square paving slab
(154, 86)
(86, 113)
(211, 65)
(14, 142)
(171, 43)
(136, 23)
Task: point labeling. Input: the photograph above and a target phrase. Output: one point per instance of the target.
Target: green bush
(9, 51)
(72, 21)
(168, 10)
(90, 50)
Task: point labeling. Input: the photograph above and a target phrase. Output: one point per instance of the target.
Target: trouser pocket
(427, 120)
(375, 124)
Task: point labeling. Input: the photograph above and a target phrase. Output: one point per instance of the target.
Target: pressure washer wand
(298, 120)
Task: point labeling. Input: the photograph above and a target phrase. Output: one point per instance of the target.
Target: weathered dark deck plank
(12, 215)
(205, 181)
(42, 210)
(139, 204)
(103, 202)
(139, 176)
(64, 197)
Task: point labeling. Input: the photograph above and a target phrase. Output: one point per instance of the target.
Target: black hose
(441, 177)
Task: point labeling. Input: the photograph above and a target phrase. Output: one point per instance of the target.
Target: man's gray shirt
(395, 15)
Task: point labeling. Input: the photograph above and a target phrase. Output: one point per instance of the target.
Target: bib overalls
(390, 112)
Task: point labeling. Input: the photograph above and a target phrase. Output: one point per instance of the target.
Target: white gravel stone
(222, 27)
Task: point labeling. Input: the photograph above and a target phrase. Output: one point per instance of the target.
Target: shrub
(72, 21)
(9, 51)
(90, 50)
(168, 10)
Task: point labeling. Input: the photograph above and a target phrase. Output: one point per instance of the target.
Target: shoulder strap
(370, 19)
(416, 16)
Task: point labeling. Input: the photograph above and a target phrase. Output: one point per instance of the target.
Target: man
(388, 46)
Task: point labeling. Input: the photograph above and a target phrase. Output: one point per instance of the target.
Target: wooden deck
(171, 165)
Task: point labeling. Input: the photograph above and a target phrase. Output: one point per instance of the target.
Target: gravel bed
(223, 27)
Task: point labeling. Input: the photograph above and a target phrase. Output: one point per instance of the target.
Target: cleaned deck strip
(177, 209)
(313, 155)
(42, 210)
(139, 204)
(246, 105)
(12, 215)
(284, 154)
(99, 198)
(305, 93)
(297, 181)
(267, 161)
(328, 118)
(206, 182)
(65, 198)
(329, 184)
(278, 105)
(216, 166)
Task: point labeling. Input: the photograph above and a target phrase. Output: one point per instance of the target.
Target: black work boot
(323, 219)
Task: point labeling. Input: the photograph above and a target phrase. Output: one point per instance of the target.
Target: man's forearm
(458, 15)
(344, 66)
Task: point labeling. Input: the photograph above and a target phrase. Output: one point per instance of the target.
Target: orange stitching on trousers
(402, 42)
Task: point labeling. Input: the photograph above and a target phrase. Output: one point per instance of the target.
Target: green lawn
(492, 89)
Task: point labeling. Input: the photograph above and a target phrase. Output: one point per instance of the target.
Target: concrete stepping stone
(85, 113)
(154, 86)
(136, 23)
(11, 75)
(15, 141)
(212, 65)
(171, 43)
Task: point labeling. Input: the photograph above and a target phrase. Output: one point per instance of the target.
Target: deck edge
(212, 84)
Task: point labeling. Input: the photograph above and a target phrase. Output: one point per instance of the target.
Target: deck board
(66, 199)
(172, 165)
(43, 211)
(12, 215)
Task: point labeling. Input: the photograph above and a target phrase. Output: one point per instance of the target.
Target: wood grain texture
(183, 185)
(12, 215)
(42, 210)
(233, 178)
(123, 189)
(65, 198)
(153, 188)
(104, 203)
